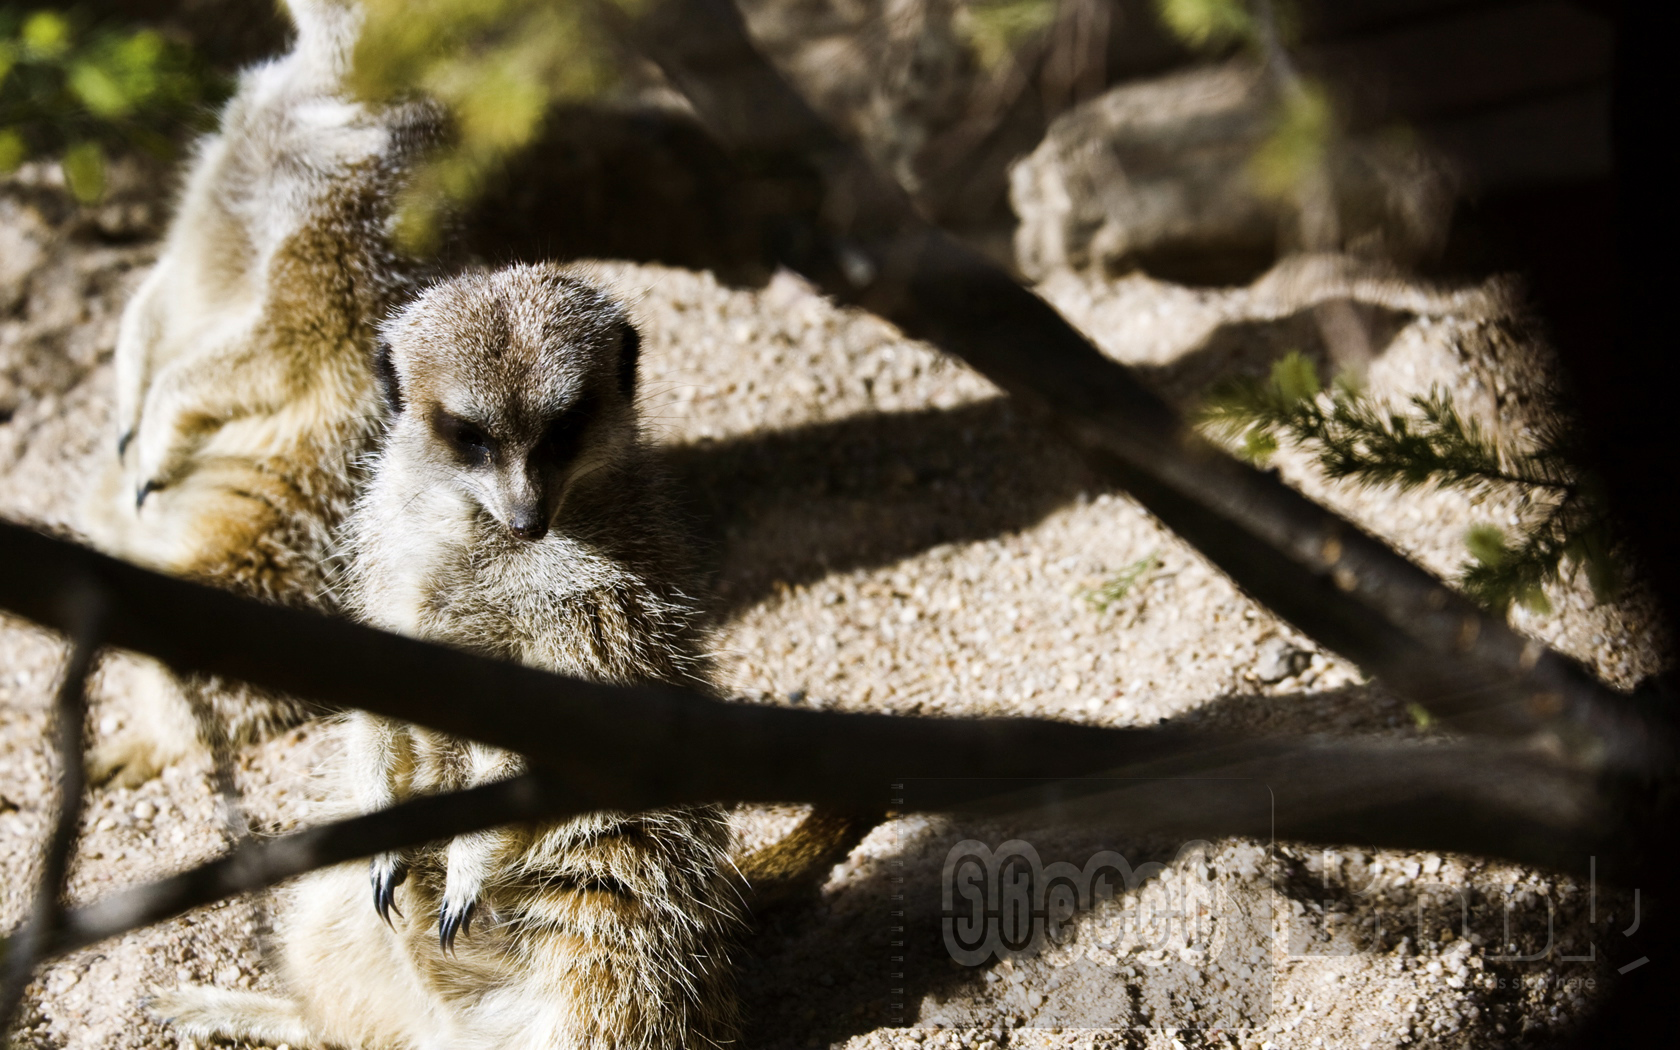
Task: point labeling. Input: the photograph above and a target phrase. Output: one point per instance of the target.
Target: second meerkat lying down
(245, 394)
(510, 511)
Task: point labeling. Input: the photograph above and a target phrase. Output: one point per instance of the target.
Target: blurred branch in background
(942, 94)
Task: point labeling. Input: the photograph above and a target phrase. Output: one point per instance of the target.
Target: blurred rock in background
(1428, 101)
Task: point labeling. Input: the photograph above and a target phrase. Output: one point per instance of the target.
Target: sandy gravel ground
(887, 536)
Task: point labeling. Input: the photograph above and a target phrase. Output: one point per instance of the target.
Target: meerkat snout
(519, 479)
(514, 387)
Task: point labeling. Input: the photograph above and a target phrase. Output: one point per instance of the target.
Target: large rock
(1159, 174)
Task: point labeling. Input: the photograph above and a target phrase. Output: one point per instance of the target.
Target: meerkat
(244, 362)
(510, 510)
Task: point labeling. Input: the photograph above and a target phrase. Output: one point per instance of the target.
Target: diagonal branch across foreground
(862, 241)
(1492, 801)
(655, 745)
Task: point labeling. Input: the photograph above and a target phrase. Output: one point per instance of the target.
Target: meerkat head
(515, 383)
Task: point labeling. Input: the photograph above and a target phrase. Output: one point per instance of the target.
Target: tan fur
(245, 392)
(543, 539)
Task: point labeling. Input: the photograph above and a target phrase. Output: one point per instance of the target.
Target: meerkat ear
(629, 356)
(385, 374)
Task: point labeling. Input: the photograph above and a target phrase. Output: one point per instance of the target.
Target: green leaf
(1295, 378)
(99, 92)
(1348, 386)
(1487, 545)
(13, 151)
(1533, 598)
(84, 171)
(498, 67)
(1206, 23)
(1259, 445)
(1298, 143)
(996, 28)
(46, 34)
(143, 53)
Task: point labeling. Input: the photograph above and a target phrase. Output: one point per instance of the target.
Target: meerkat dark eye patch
(562, 440)
(465, 437)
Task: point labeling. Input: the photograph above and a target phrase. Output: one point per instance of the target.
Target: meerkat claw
(452, 921)
(145, 490)
(388, 873)
(122, 442)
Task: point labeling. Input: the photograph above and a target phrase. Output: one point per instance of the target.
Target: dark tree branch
(649, 745)
(83, 606)
(633, 731)
(652, 746)
(1494, 801)
(861, 240)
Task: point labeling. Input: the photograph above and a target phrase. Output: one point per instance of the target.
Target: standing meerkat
(511, 511)
(244, 362)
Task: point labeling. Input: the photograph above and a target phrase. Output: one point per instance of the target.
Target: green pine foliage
(1117, 589)
(1566, 523)
(74, 92)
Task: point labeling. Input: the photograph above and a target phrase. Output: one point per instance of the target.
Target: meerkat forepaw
(454, 918)
(389, 871)
(473, 861)
(163, 447)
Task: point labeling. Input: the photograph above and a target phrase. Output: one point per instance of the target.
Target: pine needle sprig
(1358, 439)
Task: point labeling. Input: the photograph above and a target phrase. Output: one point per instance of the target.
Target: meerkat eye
(464, 436)
(564, 435)
(560, 442)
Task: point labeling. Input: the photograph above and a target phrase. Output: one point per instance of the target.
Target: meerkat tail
(791, 868)
(201, 1012)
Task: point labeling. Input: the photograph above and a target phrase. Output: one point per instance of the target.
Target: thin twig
(259, 864)
(84, 605)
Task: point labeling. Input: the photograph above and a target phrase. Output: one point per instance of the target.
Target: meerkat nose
(528, 525)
